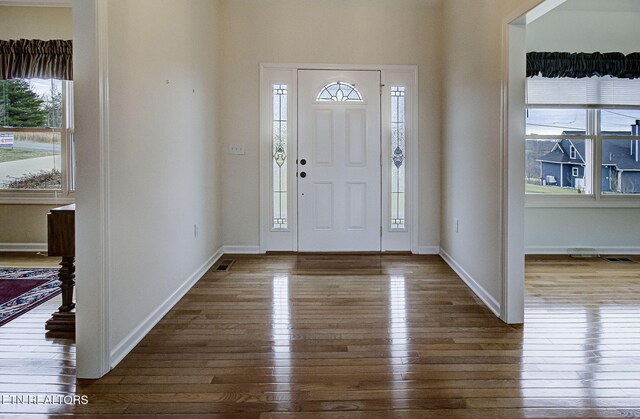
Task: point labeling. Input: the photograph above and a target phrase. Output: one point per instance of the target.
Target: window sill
(582, 202)
(35, 198)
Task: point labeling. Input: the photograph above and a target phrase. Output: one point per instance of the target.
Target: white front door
(339, 174)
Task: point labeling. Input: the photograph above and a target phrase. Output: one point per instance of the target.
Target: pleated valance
(580, 65)
(34, 58)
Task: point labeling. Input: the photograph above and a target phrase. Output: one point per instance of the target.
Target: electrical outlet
(237, 149)
(195, 230)
(457, 222)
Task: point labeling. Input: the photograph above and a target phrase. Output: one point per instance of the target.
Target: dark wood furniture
(61, 235)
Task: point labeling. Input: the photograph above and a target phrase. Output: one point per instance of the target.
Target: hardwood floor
(397, 336)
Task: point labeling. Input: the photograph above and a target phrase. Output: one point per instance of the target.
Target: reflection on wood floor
(268, 340)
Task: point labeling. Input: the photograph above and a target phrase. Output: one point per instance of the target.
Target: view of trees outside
(30, 136)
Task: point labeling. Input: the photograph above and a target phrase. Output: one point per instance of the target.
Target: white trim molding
(125, 346)
(23, 247)
(286, 73)
(91, 79)
(36, 3)
(477, 289)
(428, 250)
(242, 250)
(604, 250)
(513, 50)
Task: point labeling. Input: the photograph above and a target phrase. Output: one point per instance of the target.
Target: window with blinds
(583, 136)
(594, 91)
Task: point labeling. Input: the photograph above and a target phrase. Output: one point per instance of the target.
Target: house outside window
(36, 140)
(582, 137)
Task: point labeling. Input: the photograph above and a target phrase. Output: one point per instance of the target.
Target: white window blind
(596, 91)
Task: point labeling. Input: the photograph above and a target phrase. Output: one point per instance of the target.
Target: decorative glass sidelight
(398, 158)
(339, 91)
(279, 162)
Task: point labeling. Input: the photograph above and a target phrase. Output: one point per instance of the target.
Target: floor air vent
(617, 259)
(225, 265)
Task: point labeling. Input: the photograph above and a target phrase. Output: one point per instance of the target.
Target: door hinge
(381, 86)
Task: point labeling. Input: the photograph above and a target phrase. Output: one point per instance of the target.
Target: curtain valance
(580, 65)
(34, 58)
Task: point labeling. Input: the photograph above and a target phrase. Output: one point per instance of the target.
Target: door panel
(356, 206)
(323, 139)
(323, 206)
(339, 184)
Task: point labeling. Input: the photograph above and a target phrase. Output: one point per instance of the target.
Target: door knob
(303, 174)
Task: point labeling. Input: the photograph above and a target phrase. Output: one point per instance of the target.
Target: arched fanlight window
(339, 91)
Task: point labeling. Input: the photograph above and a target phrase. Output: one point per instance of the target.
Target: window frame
(596, 199)
(66, 195)
(287, 159)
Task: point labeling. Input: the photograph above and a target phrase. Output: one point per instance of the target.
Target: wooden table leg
(64, 320)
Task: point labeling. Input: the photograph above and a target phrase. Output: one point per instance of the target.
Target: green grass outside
(549, 190)
(12, 155)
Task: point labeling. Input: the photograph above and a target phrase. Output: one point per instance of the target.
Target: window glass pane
(280, 158)
(31, 114)
(552, 168)
(339, 92)
(398, 157)
(619, 121)
(556, 121)
(621, 167)
(30, 160)
(31, 103)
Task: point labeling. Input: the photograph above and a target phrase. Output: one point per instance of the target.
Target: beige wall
(23, 226)
(27, 224)
(151, 175)
(585, 31)
(330, 32)
(164, 175)
(471, 138)
(35, 23)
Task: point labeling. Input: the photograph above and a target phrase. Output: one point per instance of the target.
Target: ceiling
(601, 5)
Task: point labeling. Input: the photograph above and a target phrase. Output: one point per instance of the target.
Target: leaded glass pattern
(339, 91)
(398, 158)
(280, 158)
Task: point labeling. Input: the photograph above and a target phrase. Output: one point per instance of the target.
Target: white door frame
(271, 73)
(91, 96)
(512, 141)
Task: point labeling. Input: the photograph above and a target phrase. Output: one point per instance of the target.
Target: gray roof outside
(614, 152)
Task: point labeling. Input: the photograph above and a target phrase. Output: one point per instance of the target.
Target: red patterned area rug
(22, 289)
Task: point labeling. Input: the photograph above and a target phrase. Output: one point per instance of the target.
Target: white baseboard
(127, 344)
(242, 250)
(428, 250)
(486, 298)
(23, 247)
(558, 250)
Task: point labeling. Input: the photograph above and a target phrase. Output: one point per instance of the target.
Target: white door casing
(339, 165)
(275, 237)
